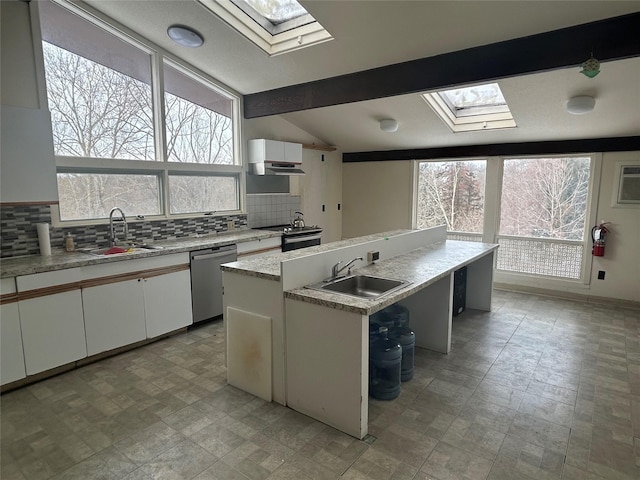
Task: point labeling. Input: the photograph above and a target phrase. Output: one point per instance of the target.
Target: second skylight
(480, 107)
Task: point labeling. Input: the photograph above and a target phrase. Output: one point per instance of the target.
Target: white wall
(621, 262)
(377, 197)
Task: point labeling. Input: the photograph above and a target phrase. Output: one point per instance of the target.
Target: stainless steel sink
(361, 286)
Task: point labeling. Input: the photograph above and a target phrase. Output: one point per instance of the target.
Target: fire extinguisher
(599, 237)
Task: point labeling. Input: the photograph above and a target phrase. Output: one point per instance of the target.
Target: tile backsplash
(19, 237)
(264, 210)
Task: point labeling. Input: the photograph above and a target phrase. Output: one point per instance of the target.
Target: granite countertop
(421, 267)
(268, 266)
(59, 260)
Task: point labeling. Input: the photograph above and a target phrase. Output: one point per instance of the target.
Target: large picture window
(542, 215)
(452, 194)
(115, 143)
(537, 209)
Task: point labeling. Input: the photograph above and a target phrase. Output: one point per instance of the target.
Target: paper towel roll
(43, 239)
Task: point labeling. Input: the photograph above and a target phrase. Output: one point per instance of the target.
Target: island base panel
(328, 365)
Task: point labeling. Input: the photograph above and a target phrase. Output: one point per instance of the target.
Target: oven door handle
(301, 239)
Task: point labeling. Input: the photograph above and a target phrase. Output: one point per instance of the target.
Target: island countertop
(420, 267)
(268, 266)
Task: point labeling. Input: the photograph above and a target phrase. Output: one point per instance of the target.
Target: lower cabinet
(52, 330)
(113, 315)
(11, 353)
(167, 302)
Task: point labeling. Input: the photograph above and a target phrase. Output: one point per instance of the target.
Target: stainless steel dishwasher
(206, 280)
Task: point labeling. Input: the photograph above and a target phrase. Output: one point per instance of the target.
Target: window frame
(492, 209)
(272, 44)
(479, 118)
(416, 190)
(161, 166)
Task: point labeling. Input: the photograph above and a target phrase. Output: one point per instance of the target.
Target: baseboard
(568, 295)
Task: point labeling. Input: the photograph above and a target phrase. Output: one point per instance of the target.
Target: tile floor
(539, 388)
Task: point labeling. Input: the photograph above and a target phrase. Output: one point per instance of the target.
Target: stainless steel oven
(294, 238)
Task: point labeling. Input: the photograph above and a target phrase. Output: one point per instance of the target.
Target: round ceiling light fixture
(389, 125)
(581, 104)
(185, 36)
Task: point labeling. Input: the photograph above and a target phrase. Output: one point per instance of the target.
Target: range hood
(273, 157)
(269, 167)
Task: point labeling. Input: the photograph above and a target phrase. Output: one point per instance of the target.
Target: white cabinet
(133, 309)
(11, 353)
(114, 315)
(167, 302)
(52, 330)
(259, 247)
(275, 150)
(321, 192)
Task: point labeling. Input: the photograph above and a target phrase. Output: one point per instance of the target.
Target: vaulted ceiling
(375, 33)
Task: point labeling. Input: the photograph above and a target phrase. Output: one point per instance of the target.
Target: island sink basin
(362, 286)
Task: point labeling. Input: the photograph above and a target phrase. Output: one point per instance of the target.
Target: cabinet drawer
(133, 265)
(260, 244)
(48, 279)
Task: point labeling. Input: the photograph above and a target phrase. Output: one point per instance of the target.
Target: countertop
(59, 260)
(421, 267)
(268, 266)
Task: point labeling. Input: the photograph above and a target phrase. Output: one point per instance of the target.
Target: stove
(294, 238)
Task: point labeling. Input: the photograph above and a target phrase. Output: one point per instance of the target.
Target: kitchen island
(318, 364)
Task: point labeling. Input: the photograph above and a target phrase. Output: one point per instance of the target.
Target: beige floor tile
(535, 389)
(448, 462)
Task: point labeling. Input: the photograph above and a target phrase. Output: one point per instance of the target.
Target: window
(452, 194)
(481, 107)
(276, 26)
(107, 124)
(543, 216)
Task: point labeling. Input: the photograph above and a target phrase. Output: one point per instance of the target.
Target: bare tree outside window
(545, 197)
(101, 113)
(96, 111)
(451, 194)
(196, 134)
(92, 196)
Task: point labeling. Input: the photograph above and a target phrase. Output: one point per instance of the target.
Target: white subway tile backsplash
(264, 210)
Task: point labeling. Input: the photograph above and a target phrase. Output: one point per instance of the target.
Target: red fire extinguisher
(599, 237)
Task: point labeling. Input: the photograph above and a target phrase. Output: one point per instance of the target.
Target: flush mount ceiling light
(185, 36)
(389, 125)
(581, 104)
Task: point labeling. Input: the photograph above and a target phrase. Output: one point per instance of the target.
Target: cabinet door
(321, 192)
(293, 152)
(167, 302)
(11, 353)
(273, 150)
(52, 330)
(113, 315)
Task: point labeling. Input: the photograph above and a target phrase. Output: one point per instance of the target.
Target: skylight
(480, 107)
(276, 26)
(277, 11)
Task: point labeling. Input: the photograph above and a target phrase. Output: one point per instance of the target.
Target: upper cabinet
(262, 150)
(28, 164)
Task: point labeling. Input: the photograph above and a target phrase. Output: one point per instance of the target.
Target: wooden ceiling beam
(610, 39)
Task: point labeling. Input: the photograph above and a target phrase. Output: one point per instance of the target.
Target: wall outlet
(600, 274)
(231, 225)
(373, 256)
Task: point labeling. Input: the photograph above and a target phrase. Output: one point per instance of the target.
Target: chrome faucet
(336, 269)
(112, 231)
